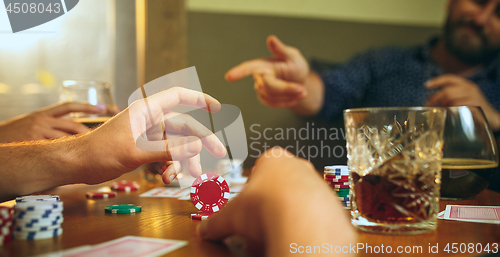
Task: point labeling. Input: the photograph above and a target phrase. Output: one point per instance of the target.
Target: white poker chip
(38, 206)
(37, 228)
(39, 213)
(34, 198)
(28, 219)
(31, 235)
(39, 222)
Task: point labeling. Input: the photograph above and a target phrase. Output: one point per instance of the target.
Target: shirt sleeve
(345, 85)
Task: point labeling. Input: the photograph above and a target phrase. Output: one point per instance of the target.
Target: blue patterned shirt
(393, 76)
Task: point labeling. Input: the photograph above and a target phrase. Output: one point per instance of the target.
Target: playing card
(483, 214)
(66, 252)
(441, 215)
(167, 192)
(129, 246)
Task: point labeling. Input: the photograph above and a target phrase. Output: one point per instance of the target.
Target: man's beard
(462, 46)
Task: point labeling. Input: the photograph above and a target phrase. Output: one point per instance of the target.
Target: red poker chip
(6, 230)
(337, 180)
(125, 185)
(336, 177)
(339, 186)
(209, 192)
(337, 183)
(5, 239)
(5, 213)
(200, 215)
(100, 195)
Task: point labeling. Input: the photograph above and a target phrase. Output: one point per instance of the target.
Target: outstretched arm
(284, 80)
(106, 152)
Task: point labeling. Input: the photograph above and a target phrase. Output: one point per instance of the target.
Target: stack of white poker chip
(37, 217)
(5, 224)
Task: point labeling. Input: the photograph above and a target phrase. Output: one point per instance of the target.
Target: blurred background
(131, 42)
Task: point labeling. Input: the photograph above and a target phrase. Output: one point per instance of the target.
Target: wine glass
(94, 92)
(469, 144)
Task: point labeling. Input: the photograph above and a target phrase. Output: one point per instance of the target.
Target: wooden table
(86, 223)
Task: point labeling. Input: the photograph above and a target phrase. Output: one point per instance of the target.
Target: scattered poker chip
(200, 215)
(125, 185)
(344, 198)
(209, 192)
(31, 198)
(123, 208)
(100, 195)
(32, 235)
(37, 205)
(343, 194)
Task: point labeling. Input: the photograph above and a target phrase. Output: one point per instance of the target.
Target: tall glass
(93, 92)
(394, 158)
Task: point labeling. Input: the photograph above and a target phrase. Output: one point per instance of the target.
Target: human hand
(458, 91)
(271, 215)
(120, 145)
(279, 80)
(45, 123)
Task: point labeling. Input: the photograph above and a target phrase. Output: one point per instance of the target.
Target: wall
(218, 41)
(400, 12)
(78, 45)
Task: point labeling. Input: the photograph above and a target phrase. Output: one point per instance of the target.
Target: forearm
(30, 167)
(285, 209)
(313, 102)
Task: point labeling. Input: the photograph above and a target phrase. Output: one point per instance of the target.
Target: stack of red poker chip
(6, 220)
(337, 177)
(125, 185)
(209, 193)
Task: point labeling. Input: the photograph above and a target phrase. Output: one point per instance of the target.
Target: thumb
(278, 49)
(219, 226)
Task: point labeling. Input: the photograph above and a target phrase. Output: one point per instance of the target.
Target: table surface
(86, 223)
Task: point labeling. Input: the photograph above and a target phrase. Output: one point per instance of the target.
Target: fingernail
(101, 106)
(202, 228)
(172, 177)
(427, 83)
(298, 89)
